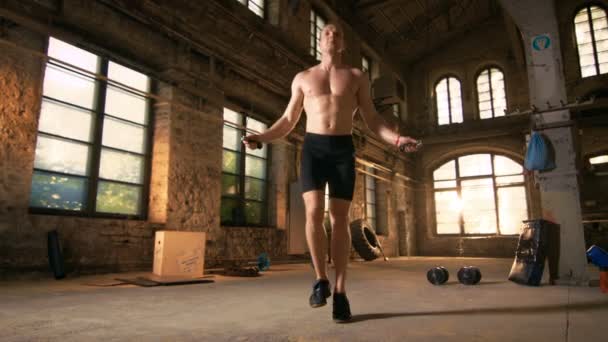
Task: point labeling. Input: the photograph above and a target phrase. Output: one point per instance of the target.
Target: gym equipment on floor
(438, 275)
(469, 275)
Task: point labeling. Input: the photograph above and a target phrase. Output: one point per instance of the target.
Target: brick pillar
(186, 190)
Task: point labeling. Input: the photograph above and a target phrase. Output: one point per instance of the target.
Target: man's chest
(340, 83)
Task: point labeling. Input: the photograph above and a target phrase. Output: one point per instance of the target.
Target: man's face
(332, 39)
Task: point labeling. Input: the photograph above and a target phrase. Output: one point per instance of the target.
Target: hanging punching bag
(55, 255)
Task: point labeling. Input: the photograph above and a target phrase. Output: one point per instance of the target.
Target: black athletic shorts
(328, 159)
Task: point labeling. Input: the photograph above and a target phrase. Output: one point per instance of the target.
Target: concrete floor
(391, 301)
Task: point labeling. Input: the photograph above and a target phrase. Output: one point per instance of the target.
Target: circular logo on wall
(541, 42)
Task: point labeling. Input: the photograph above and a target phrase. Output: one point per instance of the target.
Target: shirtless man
(330, 93)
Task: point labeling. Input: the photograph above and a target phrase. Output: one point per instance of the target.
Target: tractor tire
(364, 240)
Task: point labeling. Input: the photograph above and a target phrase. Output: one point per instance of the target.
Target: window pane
(602, 57)
(73, 55)
(256, 125)
(457, 114)
(585, 49)
(475, 165)
(485, 105)
(370, 196)
(232, 116)
(484, 97)
(479, 212)
(454, 85)
(118, 198)
(126, 105)
(587, 59)
(581, 16)
(123, 135)
(231, 162)
(230, 185)
(255, 167)
(499, 108)
(446, 171)
(372, 222)
(512, 209)
(599, 160)
(583, 34)
(370, 182)
(58, 191)
(254, 189)
(69, 87)
(445, 184)
(441, 94)
(588, 71)
(485, 114)
(65, 121)
(129, 77)
(505, 180)
(447, 212)
(601, 34)
(602, 45)
(229, 210)
(232, 139)
(597, 12)
(483, 85)
(253, 212)
(506, 166)
(496, 75)
(370, 211)
(120, 166)
(62, 156)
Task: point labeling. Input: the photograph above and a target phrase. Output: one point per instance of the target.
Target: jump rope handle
(258, 145)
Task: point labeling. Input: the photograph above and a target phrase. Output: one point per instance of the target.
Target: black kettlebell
(438, 275)
(469, 275)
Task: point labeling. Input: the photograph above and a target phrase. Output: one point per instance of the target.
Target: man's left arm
(375, 121)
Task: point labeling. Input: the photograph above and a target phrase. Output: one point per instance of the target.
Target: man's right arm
(290, 117)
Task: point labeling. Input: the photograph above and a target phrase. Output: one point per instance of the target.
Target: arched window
(591, 27)
(449, 101)
(491, 94)
(479, 194)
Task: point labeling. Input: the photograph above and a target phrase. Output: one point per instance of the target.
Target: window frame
(100, 94)
(587, 7)
(448, 76)
(313, 34)
(458, 189)
(241, 177)
(504, 81)
(373, 223)
(263, 8)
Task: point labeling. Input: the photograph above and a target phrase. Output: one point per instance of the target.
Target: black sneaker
(341, 311)
(320, 291)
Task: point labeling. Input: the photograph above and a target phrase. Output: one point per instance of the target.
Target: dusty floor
(391, 301)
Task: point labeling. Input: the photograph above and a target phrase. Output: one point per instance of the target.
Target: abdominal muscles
(329, 114)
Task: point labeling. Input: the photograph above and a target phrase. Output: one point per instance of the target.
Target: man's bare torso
(330, 99)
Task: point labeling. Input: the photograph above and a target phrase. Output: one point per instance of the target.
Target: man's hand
(409, 144)
(252, 141)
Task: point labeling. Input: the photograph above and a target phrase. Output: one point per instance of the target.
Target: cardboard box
(179, 253)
